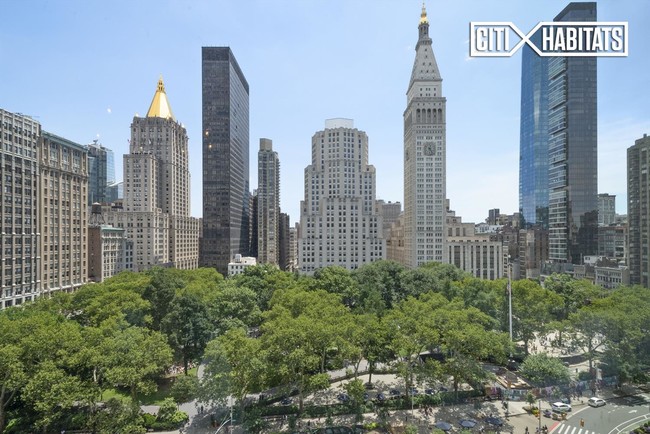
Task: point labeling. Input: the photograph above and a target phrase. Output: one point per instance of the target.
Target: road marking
(633, 411)
(574, 430)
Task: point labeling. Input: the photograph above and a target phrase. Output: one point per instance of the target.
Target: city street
(620, 415)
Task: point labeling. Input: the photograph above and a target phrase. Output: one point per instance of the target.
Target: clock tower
(424, 157)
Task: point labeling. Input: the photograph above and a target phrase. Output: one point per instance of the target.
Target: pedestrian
(582, 422)
(201, 410)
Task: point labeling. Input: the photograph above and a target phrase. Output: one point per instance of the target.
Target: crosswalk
(568, 429)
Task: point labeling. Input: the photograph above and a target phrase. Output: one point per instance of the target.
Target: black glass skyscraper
(225, 159)
(558, 184)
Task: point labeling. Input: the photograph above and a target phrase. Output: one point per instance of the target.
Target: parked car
(561, 407)
(343, 397)
(596, 402)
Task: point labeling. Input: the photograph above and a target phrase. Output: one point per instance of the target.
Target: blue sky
(85, 68)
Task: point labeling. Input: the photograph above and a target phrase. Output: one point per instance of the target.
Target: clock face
(428, 148)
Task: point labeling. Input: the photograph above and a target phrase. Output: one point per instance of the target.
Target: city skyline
(306, 62)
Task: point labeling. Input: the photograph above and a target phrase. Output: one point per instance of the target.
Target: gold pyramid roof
(160, 107)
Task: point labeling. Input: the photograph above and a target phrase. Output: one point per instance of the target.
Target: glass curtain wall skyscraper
(573, 150)
(558, 185)
(533, 138)
(225, 159)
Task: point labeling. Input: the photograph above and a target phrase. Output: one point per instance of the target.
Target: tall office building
(268, 204)
(64, 219)
(285, 241)
(424, 157)
(225, 159)
(533, 138)
(20, 235)
(101, 172)
(638, 207)
(339, 222)
(606, 209)
(157, 191)
(573, 150)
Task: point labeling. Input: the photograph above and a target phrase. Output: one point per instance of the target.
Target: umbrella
(494, 421)
(443, 425)
(468, 423)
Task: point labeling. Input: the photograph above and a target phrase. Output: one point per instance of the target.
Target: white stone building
(424, 157)
(339, 222)
(240, 264)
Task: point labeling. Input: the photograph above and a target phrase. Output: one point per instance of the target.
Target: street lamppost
(510, 302)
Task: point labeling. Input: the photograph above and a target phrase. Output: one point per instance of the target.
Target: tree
(185, 388)
(541, 370)
(30, 340)
(264, 280)
(588, 326)
(235, 307)
(100, 302)
(118, 417)
(188, 327)
(52, 393)
(337, 280)
(370, 340)
(574, 295)
(531, 305)
(12, 375)
(234, 366)
(380, 285)
(300, 329)
(356, 391)
(134, 357)
(466, 338)
(413, 323)
(626, 318)
(161, 292)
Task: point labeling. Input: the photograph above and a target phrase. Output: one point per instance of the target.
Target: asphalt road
(619, 416)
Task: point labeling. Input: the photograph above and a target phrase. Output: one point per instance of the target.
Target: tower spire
(160, 107)
(423, 15)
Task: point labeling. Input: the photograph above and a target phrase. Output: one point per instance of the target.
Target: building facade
(390, 212)
(106, 252)
(606, 209)
(268, 204)
(424, 157)
(156, 204)
(339, 222)
(240, 263)
(638, 211)
(284, 241)
(476, 254)
(533, 252)
(20, 237)
(612, 242)
(63, 202)
(101, 172)
(395, 241)
(573, 150)
(225, 159)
